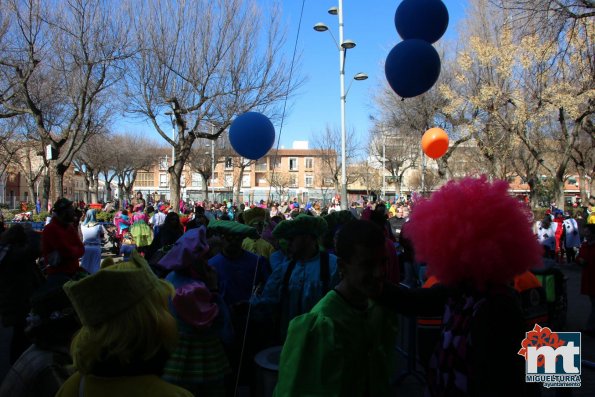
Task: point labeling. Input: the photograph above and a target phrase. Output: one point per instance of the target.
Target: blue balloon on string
(421, 19)
(252, 135)
(412, 67)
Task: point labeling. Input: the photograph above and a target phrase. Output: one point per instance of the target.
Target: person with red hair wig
(475, 238)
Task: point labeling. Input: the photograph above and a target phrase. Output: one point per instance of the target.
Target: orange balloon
(435, 142)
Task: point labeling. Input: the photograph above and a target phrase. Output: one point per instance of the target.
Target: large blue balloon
(252, 135)
(412, 67)
(421, 19)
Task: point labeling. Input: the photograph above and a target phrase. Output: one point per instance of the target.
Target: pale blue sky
(370, 23)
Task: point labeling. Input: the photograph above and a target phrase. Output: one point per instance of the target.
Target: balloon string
(297, 36)
(235, 392)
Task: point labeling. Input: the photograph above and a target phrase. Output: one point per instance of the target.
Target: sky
(370, 23)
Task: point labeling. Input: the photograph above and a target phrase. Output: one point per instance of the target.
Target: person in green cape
(345, 345)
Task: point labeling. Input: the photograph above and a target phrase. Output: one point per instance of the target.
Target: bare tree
(58, 64)
(240, 165)
(396, 152)
(205, 63)
(369, 176)
(522, 87)
(93, 157)
(329, 144)
(202, 159)
(30, 162)
(280, 182)
(131, 154)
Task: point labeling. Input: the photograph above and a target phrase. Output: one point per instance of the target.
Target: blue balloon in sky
(412, 67)
(421, 19)
(252, 135)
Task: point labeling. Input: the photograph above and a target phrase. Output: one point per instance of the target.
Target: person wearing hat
(61, 245)
(199, 363)
(240, 273)
(255, 217)
(127, 333)
(42, 369)
(93, 236)
(305, 276)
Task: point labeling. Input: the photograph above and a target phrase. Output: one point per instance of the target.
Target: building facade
(280, 175)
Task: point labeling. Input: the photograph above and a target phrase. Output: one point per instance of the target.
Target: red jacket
(65, 240)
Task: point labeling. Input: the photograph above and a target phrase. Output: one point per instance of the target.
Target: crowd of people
(193, 296)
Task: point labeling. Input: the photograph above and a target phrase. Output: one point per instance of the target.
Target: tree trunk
(205, 188)
(238, 187)
(95, 188)
(57, 171)
(32, 192)
(533, 199)
(175, 174)
(108, 191)
(47, 200)
(87, 189)
(121, 195)
(582, 186)
(558, 193)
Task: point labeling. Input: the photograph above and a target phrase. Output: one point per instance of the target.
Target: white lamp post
(343, 46)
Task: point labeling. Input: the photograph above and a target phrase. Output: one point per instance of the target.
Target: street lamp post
(343, 46)
(383, 166)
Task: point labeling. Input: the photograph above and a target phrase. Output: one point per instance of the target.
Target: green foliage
(103, 216)
(41, 216)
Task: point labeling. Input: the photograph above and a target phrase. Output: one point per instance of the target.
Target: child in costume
(305, 276)
(345, 345)
(140, 229)
(198, 363)
(127, 335)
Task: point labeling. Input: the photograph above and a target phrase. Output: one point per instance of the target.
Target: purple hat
(193, 305)
(187, 250)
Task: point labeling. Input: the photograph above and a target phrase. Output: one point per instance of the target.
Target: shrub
(103, 216)
(41, 216)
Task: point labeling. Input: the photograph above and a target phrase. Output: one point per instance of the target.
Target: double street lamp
(343, 46)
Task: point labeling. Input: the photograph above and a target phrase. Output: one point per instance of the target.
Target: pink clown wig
(473, 231)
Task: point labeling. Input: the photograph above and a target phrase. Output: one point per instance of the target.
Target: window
(275, 163)
(163, 163)
(309, 180)
(293, 181)
(228, 163)
(215, 177)
(293, 164)
(144, 179)
(246, 180)
(163, 180)
(228, 179)
(196, 180)
(309, 163)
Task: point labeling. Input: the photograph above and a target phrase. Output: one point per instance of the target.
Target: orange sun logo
(539, 337)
